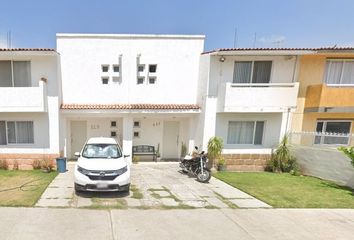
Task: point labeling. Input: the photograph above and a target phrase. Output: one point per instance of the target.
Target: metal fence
(321, 139)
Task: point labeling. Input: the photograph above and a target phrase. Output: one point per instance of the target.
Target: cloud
(273, 39)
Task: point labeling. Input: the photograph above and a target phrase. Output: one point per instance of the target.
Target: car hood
(101, 163)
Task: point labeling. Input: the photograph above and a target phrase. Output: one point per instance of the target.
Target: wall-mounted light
(222, 59)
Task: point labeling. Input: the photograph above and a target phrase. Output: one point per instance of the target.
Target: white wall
(177, 59)
(222, 72)
(271, 131)
(45, 119)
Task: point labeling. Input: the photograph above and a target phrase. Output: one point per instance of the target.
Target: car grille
(104, 178)
(102, 175)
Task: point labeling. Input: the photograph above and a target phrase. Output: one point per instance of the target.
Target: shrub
(15, 165)
(4, 164)
(282, 160)
(135, 159)
(36, 164)
(183, 150)
(215, 146)
(47, 164)
(349, 152)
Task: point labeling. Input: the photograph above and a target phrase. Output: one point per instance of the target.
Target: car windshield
(101, 151)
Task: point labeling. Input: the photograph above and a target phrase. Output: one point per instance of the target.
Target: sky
(259, 23)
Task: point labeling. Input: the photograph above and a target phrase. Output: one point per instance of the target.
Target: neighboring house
(247, 97)
(29, 105)
(326, 97)
(139, 89)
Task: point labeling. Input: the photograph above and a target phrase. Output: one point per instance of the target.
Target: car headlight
(121, 171)
(83, 170)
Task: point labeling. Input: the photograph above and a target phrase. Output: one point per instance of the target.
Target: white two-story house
(247, 97)
(139, 89)
(29, 105)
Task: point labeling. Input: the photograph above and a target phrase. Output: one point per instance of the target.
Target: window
(152, 80)
(245, 132)
(339, 72)
(252, 72)
(152, 68)
(113, 133)
(15, 74)
(18, 132)
(136, 134)
(136, 123)
(141, 68)
(115, 68)
(113, 124)
(105, 68)
(140, 80)
(340, 128)
(105, 80)
(3, 133)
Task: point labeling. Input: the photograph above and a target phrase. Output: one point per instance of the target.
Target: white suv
(101, 167)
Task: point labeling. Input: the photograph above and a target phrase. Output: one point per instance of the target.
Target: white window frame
(138, 134)
(18, 144)
(137, 80)
(115, 65)
(105, 77)
(139, 125)
(252, 68)
(104, 65)
(12, 70)
(325, 126)
(155, 68)
(155, 79)
(341, 74)
(254, 132)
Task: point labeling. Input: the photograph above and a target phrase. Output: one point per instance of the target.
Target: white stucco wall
(177, 59)
(46, 118)
(222, 72)
(271, 133)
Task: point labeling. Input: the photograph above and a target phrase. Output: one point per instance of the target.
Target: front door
(78, 136)
(170, 140)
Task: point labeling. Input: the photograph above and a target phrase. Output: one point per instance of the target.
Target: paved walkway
(241, 224)
(154, 185)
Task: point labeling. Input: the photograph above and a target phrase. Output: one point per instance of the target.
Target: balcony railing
(338, 96)
(23, 99)
(257, 97)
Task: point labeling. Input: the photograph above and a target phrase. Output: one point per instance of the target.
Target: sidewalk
(241, 224)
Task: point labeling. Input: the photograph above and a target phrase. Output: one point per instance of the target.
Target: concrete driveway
(154, 186)
(241, 224)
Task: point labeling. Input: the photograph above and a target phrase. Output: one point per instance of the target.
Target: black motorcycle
(196, 165)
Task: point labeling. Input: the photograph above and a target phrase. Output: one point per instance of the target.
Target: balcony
(23, 99)
(255, 97)
(338, 97)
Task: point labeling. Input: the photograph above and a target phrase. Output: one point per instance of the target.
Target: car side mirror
(77, 154)
(125, 156)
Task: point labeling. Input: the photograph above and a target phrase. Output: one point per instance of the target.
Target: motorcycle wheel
(205, 177)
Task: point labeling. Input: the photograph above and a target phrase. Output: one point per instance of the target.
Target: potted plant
(183, 150)
(158, 156)
(135, 159)
(221, 165)
(215, 146)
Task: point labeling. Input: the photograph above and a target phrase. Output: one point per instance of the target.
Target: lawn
(288, 191)
(23, 188)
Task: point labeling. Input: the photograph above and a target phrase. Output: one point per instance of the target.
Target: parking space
(154, 186)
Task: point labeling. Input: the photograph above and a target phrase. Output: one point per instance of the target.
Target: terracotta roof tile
(27, 49)
(131, 106)
(282, 49)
